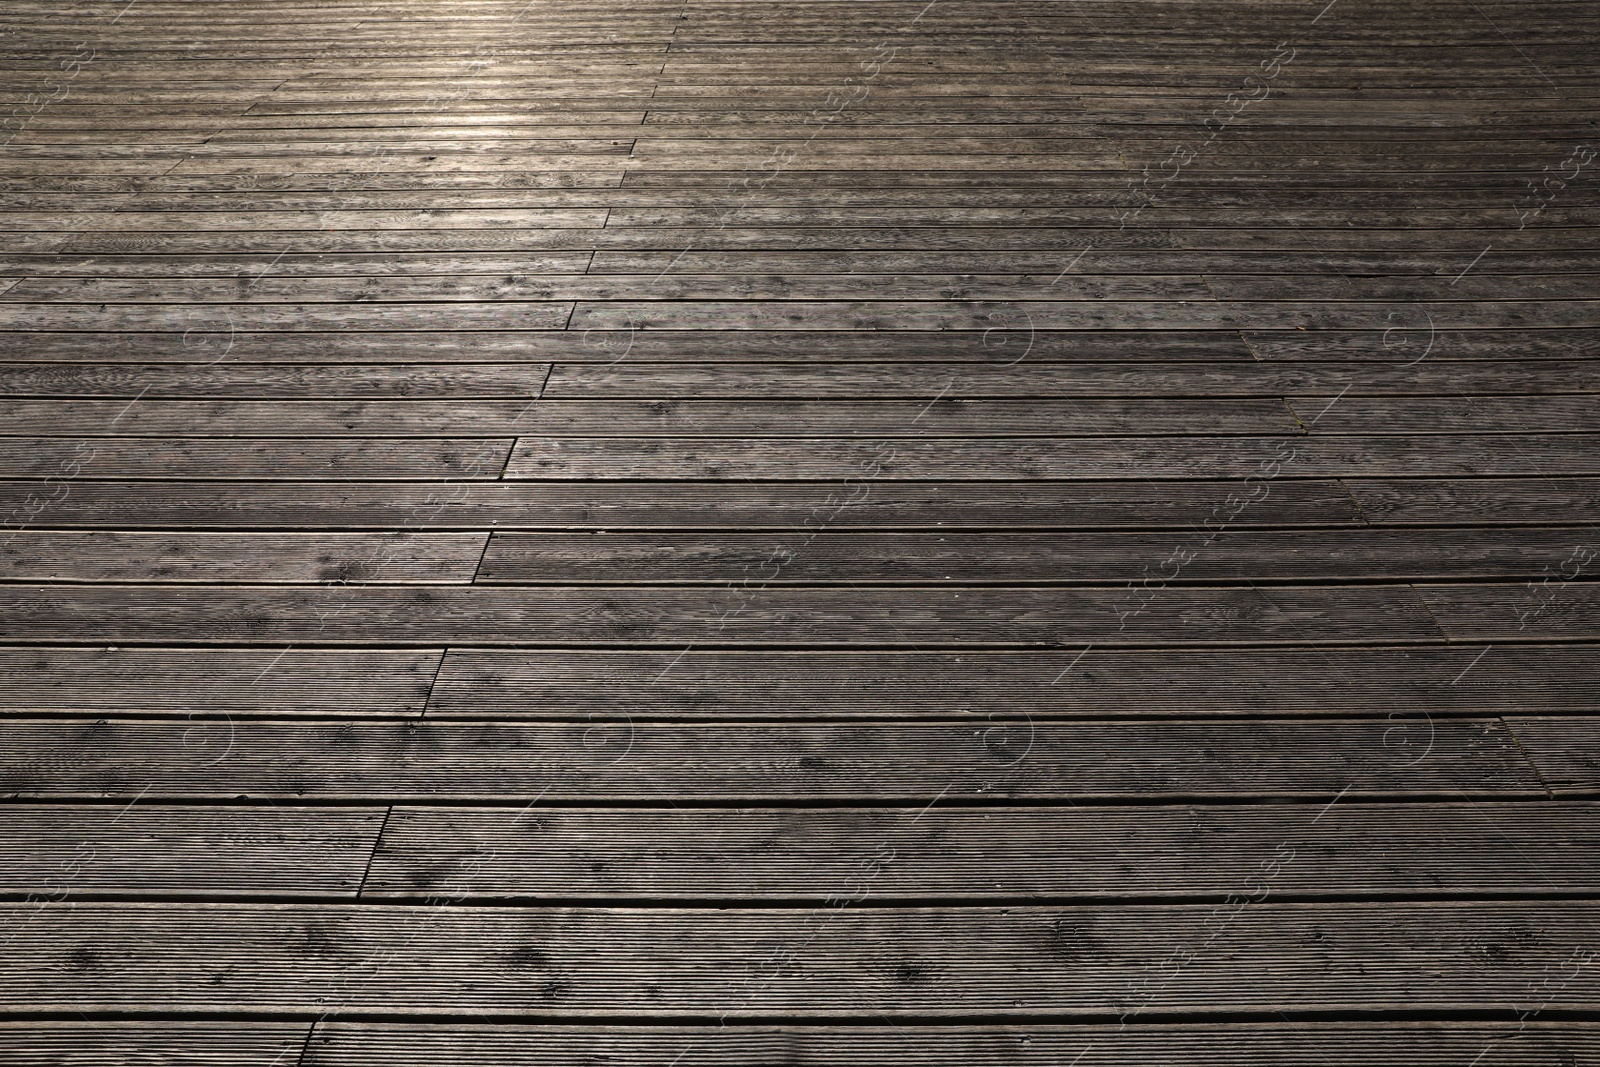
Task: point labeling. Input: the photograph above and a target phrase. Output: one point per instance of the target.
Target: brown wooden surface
(704, 532)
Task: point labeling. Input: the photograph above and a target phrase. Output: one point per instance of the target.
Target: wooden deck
(718, 533)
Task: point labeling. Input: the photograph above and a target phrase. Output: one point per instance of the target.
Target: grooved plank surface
(611, 615)
(157, 381)
(91, 1044)
(293, 382)
(995, 756)
(900, 455)
(661, 418)
(756, 560)
(53, 852)
(1365, 850)
(533, 531)
(1566, 755)
(579, 963)
(189, 681)
(1029, 379)
(842, 504)
(55, 462)
(1537, 1044)
(1556, 604)
(1557, 679)
(1502, 500)
(207, 336)
(54, 555)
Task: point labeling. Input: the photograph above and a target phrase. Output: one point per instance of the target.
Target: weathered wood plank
(867, 314)
(1040, 380)
(186, 319)
(1530, 1044)
(1558, 604)
(1090, 963)
(976, 854)
(1150, 560)
(675, 285)
(774, 616)
(901, 456)
(164, 1044)
(1565, 753)
(1467, 500)
(1549, 679)
(204, 681)
(425, 504)
(63, 460)
(210, 335)
(657, 238)
(373, 223)
(927, 416)
(697, 260)
(242, 269)
(59, 852)
(998, 755)
(1407, 337)
(1451, 414)
(156, 381)
(343, 558)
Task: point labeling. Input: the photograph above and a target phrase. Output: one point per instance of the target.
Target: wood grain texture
(893, 456)
(1538, 1044)
(1358, 851)
(535, 531)
(58, 461)
(1567, 755)
(773, 616)
(264, 681)
(1044, 380)
(206, 335)
(677, 683)
(105, 556)
(1456, 500)
(1556, 604)
(53, 853)
(943, 558)
(156, 381)
(1089, 963)
(83, 1044)
(995, 755)
(675, 419)
(442, 502)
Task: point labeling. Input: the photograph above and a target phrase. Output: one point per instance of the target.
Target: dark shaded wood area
(713, 533)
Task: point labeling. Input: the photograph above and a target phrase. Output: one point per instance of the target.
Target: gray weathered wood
(56, 852)
(997, 754)
(1566, 753)
(1149, 560)
(1097, 451)
(967, 854)
(164, 1044)
(674, 683)
(1089, 963)
(732, 614)
(1276, 1044)
(264, 681)
(430, 503)
(106, 556)
(895, 455)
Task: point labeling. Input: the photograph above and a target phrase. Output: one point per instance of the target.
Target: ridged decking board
(401, 1045)
(1246, 1046)
(800, 855)
(702, 965)
(991, 755)
(725, 533)
(985, 853)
